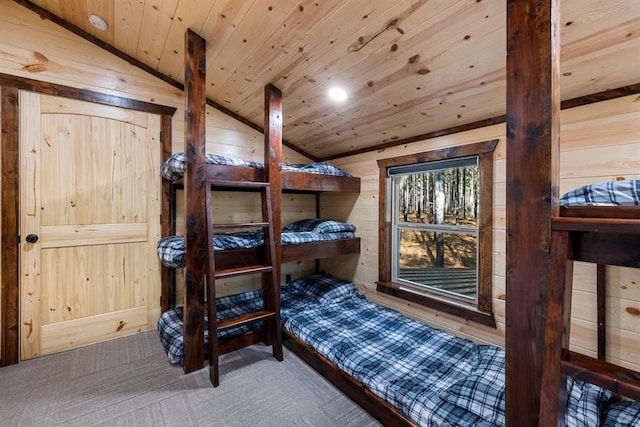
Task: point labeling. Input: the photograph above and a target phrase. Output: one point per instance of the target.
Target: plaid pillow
(319, 226)
(622, 414)
(482, 392)
(325, 289)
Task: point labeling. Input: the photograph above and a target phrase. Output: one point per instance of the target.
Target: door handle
(32, 238)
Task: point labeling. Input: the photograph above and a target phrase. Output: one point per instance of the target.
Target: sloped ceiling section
(409, 67)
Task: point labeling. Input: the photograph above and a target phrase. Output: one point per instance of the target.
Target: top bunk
(601, 223)
(604, 221)
(312, 177)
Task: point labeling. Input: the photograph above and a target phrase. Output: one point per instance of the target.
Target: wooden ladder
(270, 313)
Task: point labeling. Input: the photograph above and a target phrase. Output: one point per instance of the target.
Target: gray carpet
(129, 382)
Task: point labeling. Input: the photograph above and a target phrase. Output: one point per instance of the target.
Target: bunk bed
(301, 240)
(306, 239)
(542, 241)
(202, 264)
(597, 223)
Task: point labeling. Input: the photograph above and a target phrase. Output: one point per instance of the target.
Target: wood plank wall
(599, 142)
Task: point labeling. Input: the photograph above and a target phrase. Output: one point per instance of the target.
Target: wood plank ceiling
(410, 67)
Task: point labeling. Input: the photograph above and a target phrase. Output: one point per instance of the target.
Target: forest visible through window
(436, 228)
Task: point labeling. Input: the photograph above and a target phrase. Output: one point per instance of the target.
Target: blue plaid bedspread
(401, 360)
(622, 414)
(435, 378)
(610, 193)
(228, 307)
(173, 168)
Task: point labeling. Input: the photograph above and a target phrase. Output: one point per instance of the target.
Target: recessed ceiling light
(338, 94)
(98, 22)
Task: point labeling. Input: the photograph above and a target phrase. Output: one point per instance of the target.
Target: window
(435, 240)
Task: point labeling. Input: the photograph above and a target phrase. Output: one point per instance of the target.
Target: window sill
(469, 314)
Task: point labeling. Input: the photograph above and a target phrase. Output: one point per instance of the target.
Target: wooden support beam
(9, 294)
(196, 239)
(601, 292)
(168, 218)
(272, 164)
(533, 106)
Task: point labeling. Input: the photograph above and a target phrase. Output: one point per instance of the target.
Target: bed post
(168, 298)
(273, 175)
(196, 239)
(10, 192)
(532, 169)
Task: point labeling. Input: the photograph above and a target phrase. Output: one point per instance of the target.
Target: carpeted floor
(129, 382)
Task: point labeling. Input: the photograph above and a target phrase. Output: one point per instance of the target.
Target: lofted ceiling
(410, 67)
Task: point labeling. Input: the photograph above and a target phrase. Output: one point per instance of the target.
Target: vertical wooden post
(601, 292)
(9, 300)
(196, 239)
(272, 163)
(168, 218)
(533, 105)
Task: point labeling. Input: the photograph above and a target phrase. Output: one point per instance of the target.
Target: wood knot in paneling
(39, 65)
(634, 311)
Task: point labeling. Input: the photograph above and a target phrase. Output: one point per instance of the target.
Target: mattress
(173, 168)
(433, 377)
(300, 295)
(400, 360)
(610, 193)
(171, 249)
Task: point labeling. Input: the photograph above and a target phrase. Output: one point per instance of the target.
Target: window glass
(436, 224)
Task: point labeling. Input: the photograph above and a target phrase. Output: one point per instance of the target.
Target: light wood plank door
(90, 195)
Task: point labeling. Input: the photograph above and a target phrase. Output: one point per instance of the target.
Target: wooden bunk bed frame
(198, 171)
(539, 270)
(195, 351)
(604, 235)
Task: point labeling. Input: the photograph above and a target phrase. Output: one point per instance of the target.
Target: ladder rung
(245, 319)
(237, 184)
(251, 269)
(241, 225)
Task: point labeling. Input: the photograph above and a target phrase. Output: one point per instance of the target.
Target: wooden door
(90, 195)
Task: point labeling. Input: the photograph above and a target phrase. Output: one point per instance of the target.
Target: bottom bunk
(300, 295)
(404, 372)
